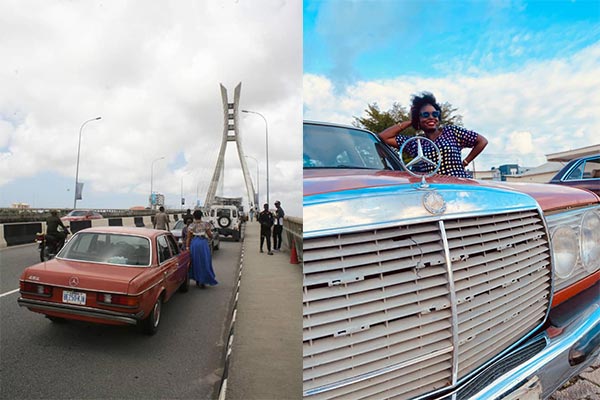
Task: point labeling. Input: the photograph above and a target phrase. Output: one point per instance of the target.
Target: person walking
(197, 240)
(265, 218)
(426, 115)
(278, 226)
(161, 220)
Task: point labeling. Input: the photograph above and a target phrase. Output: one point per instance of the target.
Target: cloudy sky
(525, 74)
(152, 71)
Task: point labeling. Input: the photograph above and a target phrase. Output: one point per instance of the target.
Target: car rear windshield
(108, 248)
(342, 147)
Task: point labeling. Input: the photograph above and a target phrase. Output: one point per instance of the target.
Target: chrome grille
(378, 313)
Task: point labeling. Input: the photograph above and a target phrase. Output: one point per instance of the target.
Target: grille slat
(378, 301)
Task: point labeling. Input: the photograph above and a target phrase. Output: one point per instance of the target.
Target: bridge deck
(266, 357)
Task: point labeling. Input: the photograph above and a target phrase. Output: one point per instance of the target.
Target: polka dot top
(450, 142)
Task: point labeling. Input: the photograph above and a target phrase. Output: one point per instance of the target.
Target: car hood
(548, 196)
(90, 276)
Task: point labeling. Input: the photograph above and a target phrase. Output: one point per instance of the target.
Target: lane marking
(7, 293)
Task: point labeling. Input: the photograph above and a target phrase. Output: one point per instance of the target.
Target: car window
(178, 224)
(223, 212)
(163, 249)
(172, 245)
(108, 248)
(341, 147)
(592, 169)
(585, 169)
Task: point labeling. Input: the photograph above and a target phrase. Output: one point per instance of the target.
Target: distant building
(20, 205)
(542, 173)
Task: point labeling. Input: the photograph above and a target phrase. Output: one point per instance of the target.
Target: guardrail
(8, 215)
(16, 233)
(292, 226)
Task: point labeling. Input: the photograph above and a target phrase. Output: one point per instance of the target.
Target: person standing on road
(161, 219)
(52, 232)
(426, 115)
(197, 240)
(278, 226)
(187, 217)
(265, 218)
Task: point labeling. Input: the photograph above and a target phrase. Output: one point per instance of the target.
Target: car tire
(185, 286)
(56, 320)
(150, 324)
(224, 222)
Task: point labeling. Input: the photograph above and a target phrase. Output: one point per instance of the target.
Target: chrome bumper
(71, 309)
(571, 345)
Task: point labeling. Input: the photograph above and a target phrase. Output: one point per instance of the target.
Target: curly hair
(418, 102)
(197, 214)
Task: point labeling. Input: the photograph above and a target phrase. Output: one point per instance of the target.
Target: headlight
(590, 241)
(565, 247)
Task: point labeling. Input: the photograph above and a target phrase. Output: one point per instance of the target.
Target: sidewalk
(266, 341)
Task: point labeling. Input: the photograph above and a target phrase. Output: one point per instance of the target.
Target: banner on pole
(79, 191)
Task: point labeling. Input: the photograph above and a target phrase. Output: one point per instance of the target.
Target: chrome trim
(550, 362)
(380, 207)
(81, 310)
(453, 302)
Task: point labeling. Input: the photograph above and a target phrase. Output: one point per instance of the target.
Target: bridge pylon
(231, 133)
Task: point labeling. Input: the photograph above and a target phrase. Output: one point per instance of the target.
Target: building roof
(566, 156)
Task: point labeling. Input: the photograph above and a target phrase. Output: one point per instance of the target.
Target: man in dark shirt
(188, 216)
(265, 218)
(52, 224)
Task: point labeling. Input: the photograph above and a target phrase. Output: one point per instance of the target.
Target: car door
(167, 262)
(182, 257)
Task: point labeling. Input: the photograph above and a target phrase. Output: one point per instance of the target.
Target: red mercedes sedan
(109, 275)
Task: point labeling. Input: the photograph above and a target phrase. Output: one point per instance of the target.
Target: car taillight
(117, 300)
(36, 288)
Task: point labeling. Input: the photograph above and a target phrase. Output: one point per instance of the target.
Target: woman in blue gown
(198, 234)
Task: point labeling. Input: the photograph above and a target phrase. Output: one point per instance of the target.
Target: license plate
(73, 297)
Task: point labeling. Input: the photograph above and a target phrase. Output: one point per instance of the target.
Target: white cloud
(152, 71)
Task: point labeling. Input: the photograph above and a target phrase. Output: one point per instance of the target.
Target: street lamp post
(257, 182)
(77, 168)
(267, 147)
(152, 178)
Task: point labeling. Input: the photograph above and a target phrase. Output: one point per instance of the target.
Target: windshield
(344, 147)
(178, 225)
(108, 248)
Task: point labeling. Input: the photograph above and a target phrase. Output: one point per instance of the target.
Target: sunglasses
(426, 114)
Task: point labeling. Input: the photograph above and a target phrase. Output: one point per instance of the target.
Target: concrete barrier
(20, 233)
(16, 233)
(115, 222)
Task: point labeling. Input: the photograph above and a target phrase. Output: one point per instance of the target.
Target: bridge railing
(292, 226)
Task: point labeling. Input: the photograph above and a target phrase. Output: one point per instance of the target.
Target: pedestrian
(187, 217)
(197, 240)
(265, 218)
(277, 226)
(426, 116)
(161, 219)
(251, 212)
(184, 232)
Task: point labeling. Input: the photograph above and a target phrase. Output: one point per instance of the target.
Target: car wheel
(56, 320)
(224, 222)
(185, 286)
(150, 324)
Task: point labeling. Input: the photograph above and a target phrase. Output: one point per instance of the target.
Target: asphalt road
(40, 359)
